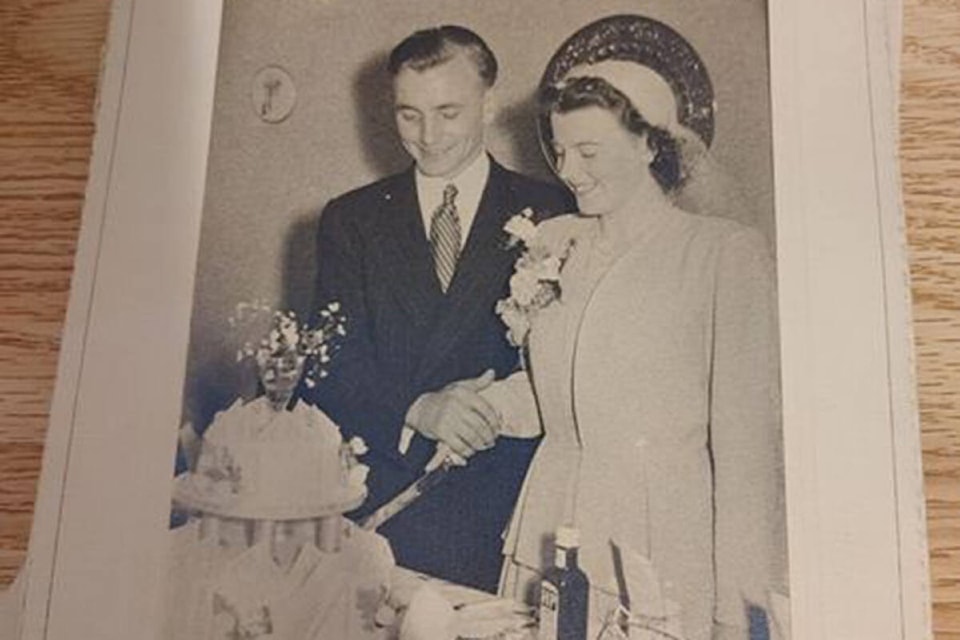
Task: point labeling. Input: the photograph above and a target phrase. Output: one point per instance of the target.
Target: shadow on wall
(299, 264)
(517, 124)
(217, 382)
(373, 103)
(220, 379)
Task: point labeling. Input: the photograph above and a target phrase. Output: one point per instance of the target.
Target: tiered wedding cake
(259, 463)
(267, 553)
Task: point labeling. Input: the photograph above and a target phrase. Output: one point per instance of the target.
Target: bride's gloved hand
(457, 416)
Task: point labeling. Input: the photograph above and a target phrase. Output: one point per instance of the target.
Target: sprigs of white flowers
(535, 282)
(286, 349)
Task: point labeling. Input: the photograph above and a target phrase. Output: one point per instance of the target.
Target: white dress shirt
(470, 184)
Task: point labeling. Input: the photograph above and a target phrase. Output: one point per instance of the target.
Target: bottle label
(549, 609)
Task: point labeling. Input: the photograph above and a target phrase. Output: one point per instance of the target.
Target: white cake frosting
(256, 462)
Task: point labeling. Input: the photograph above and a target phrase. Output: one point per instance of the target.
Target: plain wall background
(266, 183)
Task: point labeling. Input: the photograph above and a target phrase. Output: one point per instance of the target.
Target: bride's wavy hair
(582, 92)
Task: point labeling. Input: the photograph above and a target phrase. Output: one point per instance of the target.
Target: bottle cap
(568, 537)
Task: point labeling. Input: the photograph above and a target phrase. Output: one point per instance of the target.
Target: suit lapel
(482, 269)
(403, 244)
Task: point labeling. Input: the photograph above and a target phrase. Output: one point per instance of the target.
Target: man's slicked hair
(428, 48)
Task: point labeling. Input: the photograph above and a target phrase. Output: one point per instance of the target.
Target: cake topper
(286, 350)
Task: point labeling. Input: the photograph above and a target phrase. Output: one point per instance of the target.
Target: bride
(653, 364)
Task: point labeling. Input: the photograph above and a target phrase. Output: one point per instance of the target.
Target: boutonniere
(535, 283)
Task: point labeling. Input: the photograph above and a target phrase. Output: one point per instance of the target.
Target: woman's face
(602, 163)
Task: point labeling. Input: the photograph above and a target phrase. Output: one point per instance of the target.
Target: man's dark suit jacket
(406, 337)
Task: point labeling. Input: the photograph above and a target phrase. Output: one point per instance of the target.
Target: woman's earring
(647, 153)
(651, 155)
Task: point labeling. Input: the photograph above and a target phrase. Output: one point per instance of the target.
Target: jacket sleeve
(355, 394)
(745, 432)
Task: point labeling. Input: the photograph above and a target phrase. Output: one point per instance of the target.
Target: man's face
(441, 113)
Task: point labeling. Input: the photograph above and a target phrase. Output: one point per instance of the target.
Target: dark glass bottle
(564, 592)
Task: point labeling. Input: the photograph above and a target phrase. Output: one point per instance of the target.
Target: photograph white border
(858, 560)
(854, 492)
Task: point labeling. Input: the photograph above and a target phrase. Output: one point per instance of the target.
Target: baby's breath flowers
(286, 349)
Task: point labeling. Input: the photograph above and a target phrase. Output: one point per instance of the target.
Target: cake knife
(408, 496)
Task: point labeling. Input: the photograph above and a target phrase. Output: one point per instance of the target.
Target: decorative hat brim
(648, 43)
(188, 495)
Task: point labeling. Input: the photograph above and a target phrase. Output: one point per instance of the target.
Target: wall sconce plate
(273, 93)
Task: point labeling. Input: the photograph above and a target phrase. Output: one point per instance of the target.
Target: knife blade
(408, 496)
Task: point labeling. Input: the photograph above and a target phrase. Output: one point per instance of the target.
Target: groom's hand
(457, 416)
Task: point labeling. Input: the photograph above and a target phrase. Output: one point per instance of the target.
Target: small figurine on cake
(267, 552)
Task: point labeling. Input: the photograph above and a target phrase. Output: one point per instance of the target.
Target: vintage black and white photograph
(484, 337)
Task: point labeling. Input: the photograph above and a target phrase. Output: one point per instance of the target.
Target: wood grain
(930, 164)
(49, 63)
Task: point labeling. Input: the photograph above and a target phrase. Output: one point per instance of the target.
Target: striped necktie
(445, 237)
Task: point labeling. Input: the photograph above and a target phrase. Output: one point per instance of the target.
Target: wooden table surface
(49, 61)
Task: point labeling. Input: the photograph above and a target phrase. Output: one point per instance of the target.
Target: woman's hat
(651, 64)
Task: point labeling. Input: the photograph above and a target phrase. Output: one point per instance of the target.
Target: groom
(418, 261)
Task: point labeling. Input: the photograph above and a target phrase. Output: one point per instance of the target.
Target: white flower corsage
(535, 282)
